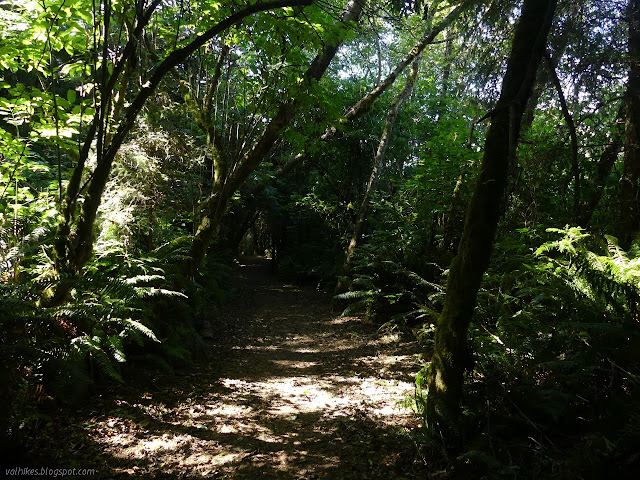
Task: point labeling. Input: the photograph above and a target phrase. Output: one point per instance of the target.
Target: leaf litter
(290, 390)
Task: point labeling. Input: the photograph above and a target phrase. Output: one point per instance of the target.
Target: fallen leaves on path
(291, 390)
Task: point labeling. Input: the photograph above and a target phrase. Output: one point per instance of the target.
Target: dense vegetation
(465, 170)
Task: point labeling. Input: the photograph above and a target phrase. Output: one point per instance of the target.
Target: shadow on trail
(291, 391)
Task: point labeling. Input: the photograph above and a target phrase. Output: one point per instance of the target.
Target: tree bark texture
(450, 356)
(543, 76)
(629, 189)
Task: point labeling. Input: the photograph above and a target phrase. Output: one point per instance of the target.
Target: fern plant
(557, 348)
(388, 292)
(47, 349)
(607, 274)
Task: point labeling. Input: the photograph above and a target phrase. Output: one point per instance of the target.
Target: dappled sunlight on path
(291, 391)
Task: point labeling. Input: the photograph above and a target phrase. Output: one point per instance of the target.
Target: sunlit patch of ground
(278, 421)
(293, 391)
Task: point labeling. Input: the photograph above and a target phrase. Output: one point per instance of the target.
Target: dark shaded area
(289, 391)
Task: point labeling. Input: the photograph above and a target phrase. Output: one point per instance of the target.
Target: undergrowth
(555, 384)
(123, 310)
(389, 293)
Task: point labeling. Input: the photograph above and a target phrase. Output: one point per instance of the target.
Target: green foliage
(607, 276)
(555, 340)
(555, 330)
(52, 354)
(388, 292)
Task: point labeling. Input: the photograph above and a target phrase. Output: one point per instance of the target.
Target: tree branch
(100, 175)
(366, 102)
(575, 167)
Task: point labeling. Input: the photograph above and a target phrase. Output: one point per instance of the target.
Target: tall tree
(630, 188)
(75, 236)
(215, 205)
(450, 357)
(366, 103)
(604, 165)
(378, 161)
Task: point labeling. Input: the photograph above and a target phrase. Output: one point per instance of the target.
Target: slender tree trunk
(575, 165)
(446, 74)
(378, 160)
(216, 205)
(543, 76)
(75, 237)
(453, 218)
(595, 188)
(629, 189)
(451, 354)
(365, 104)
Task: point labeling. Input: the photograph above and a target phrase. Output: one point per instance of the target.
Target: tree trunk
(342, 285)
(450, 357)
(365, 104)
(74, 244)
(629, 189)
(571, 126)
(453, 218)
(595, 188)
(543, 76)
(218, 201)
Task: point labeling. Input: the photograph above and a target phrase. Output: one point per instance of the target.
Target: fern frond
(135, 326)
(363, 282)
(142, 279)
(356, 307)
(114, 347)
(91, 345)
(174, 246)
(147, 292)
(356, 294)
(425, 312)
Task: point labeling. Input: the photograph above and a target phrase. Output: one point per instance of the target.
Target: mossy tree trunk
(75, 235)
(451, 354)
(630, 188)
(215, 206)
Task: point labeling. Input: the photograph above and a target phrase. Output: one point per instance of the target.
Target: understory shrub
(555, 377)
(557, 361)
(121, 309)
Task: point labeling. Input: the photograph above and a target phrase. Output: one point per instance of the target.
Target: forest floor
(291, 390)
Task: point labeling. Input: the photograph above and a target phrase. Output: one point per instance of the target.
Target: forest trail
(291, 391)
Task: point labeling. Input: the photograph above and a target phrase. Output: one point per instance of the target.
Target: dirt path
(292, 391)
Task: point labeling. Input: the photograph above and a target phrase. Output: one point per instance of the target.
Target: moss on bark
(450, 356)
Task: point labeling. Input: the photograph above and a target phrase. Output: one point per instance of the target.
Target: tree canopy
(464, 171)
